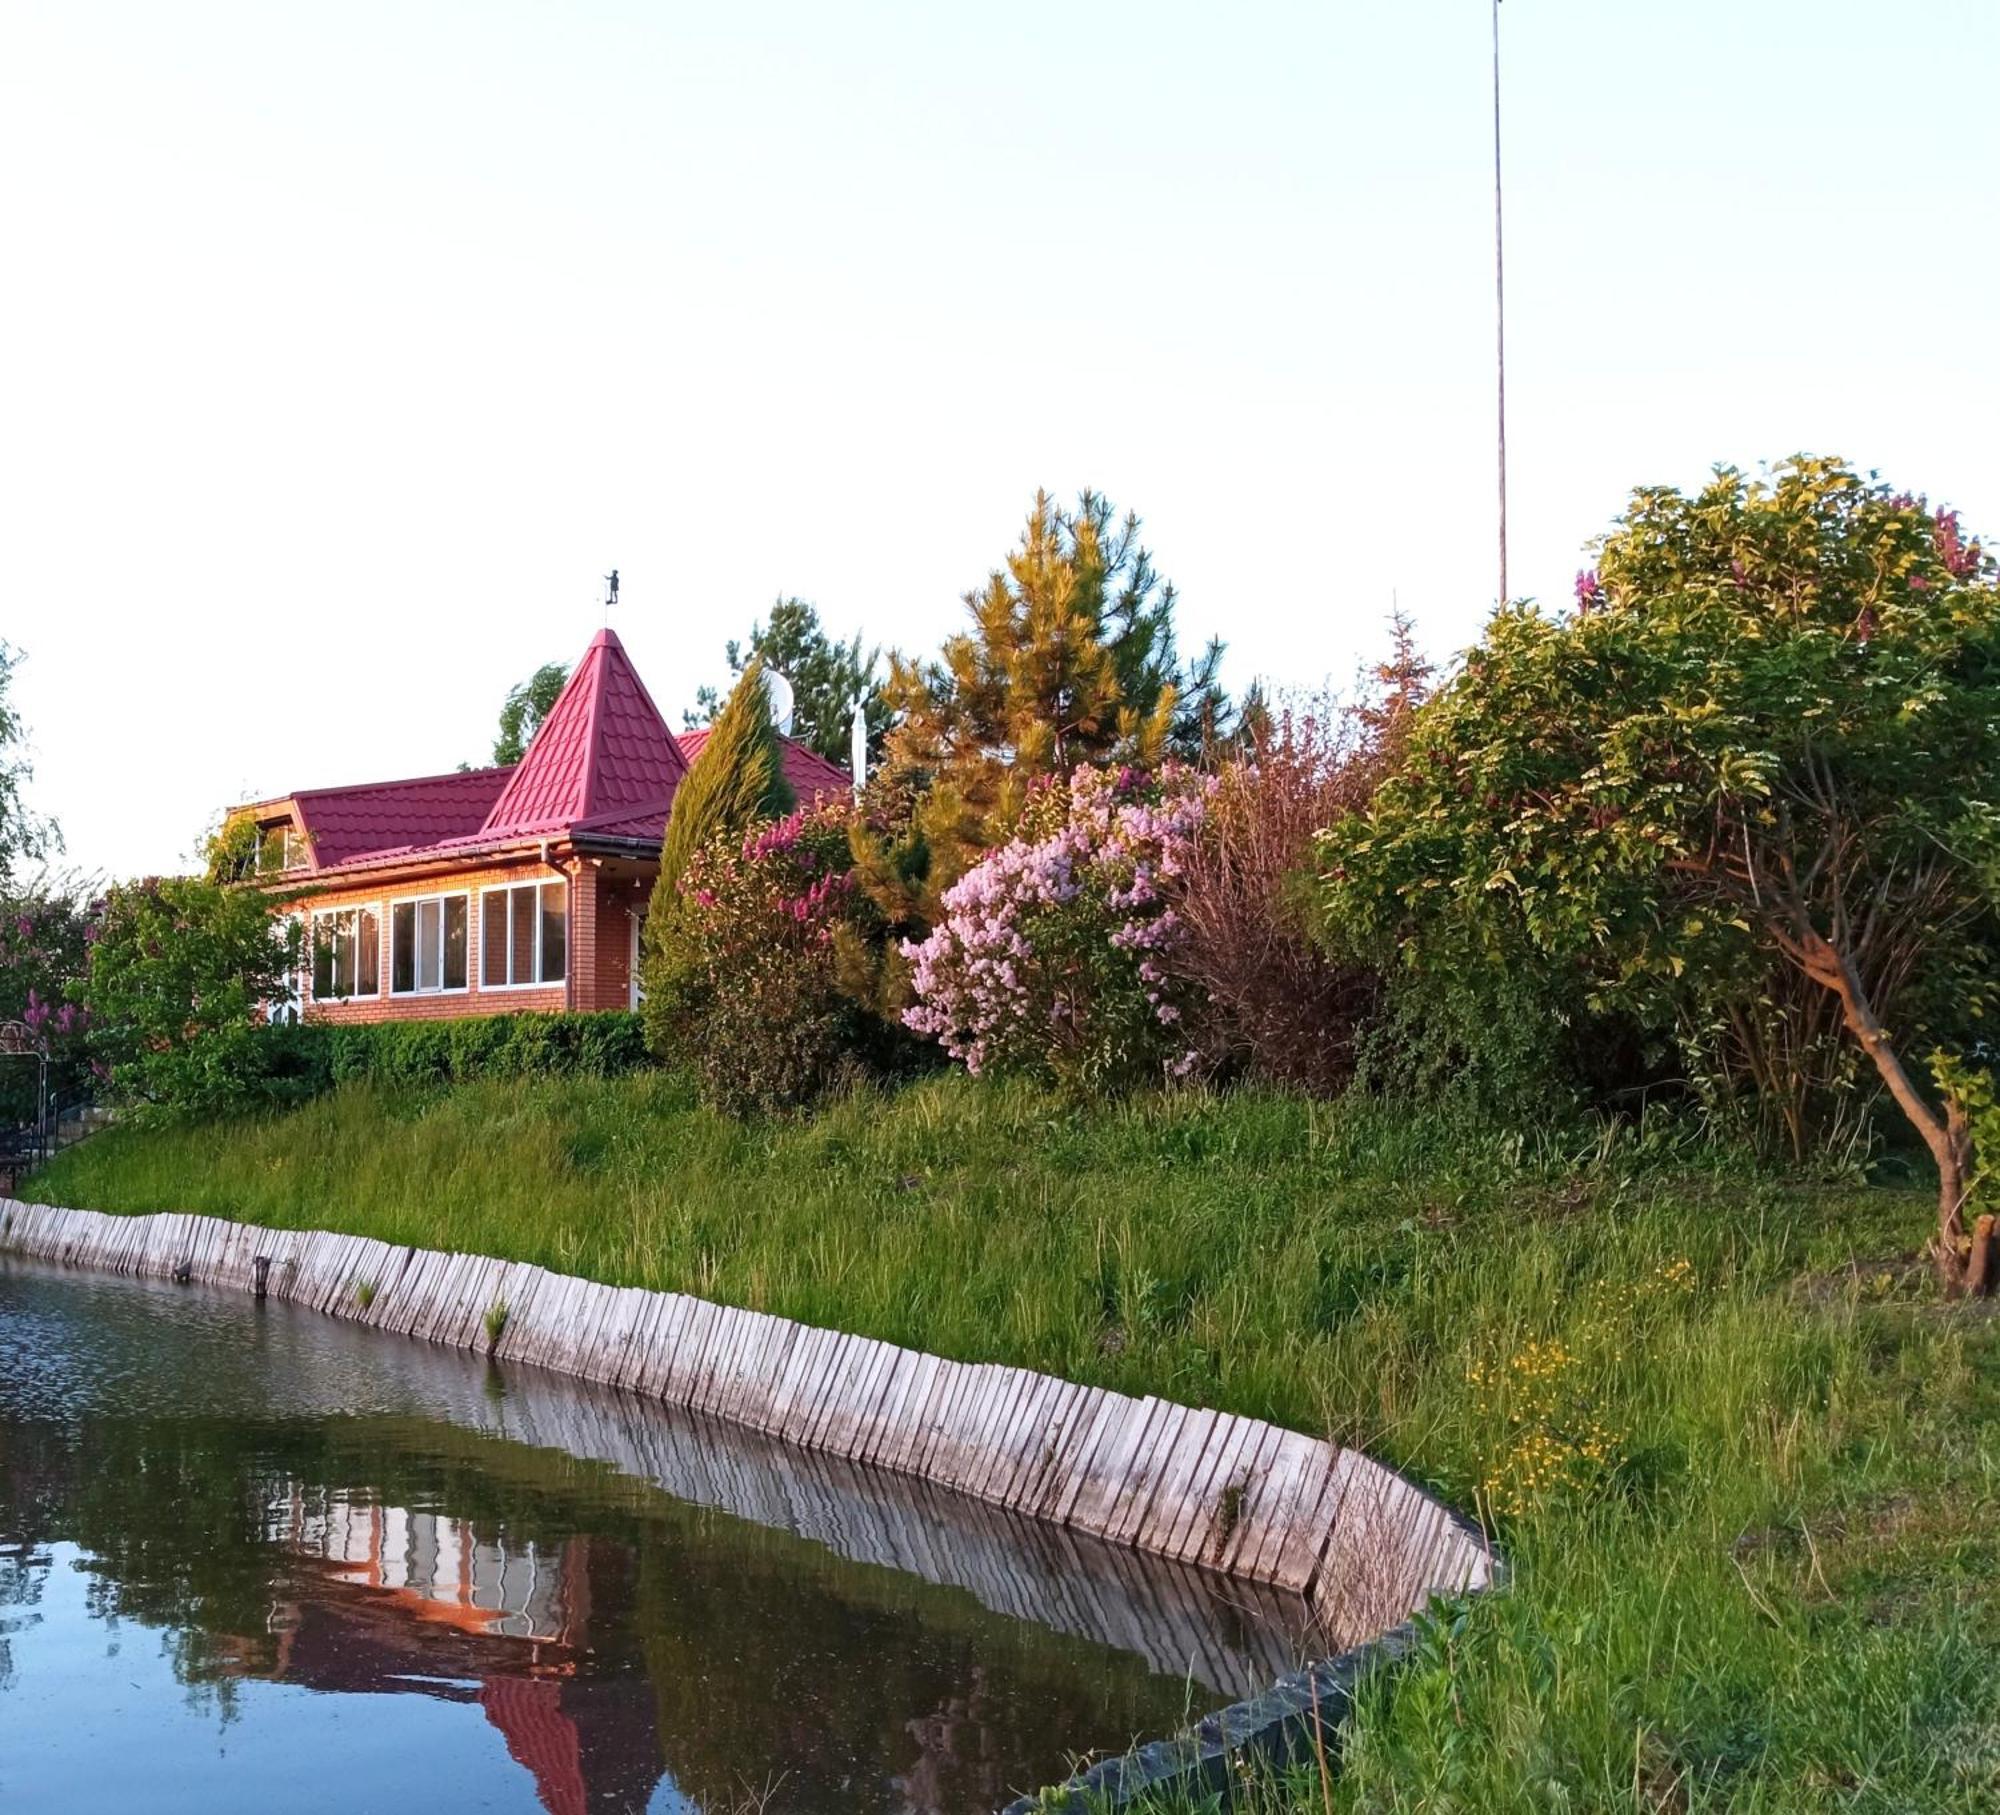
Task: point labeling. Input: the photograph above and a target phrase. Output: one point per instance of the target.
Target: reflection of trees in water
(945, 1703)
(711, 1648)
(24, 1572)
(170, 1518)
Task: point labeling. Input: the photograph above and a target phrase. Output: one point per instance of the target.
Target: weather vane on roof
(610, 593)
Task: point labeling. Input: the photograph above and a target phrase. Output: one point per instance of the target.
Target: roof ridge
(600, 649)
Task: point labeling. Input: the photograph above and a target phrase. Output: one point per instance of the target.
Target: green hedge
(485, 1046)
(282, 1066)
(277, 1068)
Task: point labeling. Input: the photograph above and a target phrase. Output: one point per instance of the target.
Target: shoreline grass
(1746, 1474)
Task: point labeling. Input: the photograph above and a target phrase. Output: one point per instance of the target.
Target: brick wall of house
(624, 889)
(473, 1000)
(604, 897)
(584, 909)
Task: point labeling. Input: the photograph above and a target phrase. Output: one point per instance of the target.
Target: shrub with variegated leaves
(1055, 956)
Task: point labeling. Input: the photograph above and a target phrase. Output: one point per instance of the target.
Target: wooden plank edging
(1223, 1493)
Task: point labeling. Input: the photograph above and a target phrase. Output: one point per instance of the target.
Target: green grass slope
(1745, 1471)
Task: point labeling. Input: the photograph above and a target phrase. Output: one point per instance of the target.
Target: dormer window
(279, 847)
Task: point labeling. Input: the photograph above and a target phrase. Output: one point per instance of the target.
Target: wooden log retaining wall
(1202, 1488)
(1235, 1637)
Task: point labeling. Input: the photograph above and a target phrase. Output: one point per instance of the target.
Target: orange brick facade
(606, 901)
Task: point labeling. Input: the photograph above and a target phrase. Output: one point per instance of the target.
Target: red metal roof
(810, 774)
(604, 751)
(602, 763)
(366, 821)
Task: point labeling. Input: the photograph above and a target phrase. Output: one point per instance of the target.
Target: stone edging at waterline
(1365, 1547)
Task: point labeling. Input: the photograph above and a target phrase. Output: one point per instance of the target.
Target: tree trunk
(1948, 1136)
(1980, 1264)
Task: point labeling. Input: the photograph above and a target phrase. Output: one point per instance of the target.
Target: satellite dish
(783, 700)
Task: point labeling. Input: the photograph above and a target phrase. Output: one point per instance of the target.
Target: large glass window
(346, 953)
(524, 935)
(427, 945)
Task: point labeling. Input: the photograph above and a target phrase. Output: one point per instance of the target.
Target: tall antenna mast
(1500, 303)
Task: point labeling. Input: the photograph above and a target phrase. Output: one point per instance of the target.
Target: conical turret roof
(602, 753)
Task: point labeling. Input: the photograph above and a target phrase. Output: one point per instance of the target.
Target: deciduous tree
(524, 708)
(1762, 736)
(24, 834)
(181, 968)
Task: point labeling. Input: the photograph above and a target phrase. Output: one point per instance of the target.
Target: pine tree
(1070, 659)
(828, 680)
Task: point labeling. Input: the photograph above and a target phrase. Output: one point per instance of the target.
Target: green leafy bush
(278, 1066)
(1759, 744)
(180, 970)
(419, 1053)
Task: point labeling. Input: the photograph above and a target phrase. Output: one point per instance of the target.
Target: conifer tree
(738, 779)
(1070, 659)
(1400, 684)
(828, 680)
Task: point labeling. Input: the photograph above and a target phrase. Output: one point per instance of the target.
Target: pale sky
(342, 348)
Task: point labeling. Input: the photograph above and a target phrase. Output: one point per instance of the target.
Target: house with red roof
(492, 891)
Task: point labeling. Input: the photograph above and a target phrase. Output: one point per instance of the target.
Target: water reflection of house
(389, 1600)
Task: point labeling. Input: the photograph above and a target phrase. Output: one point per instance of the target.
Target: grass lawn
(1745, 1469)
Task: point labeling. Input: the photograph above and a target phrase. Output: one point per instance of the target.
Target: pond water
(253, 1558)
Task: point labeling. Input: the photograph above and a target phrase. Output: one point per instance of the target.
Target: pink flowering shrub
(744, 987)
(1056, 953)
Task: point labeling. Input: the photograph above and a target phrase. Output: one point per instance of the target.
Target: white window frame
(282, 1009)
(537, 883)
(441, 988)
(312, 950)
(291, 849)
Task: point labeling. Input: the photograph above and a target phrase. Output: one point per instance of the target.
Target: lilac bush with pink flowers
(1055, 956)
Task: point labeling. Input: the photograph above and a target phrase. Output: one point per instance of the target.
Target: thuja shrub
(1057, 955)
(746, 989)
